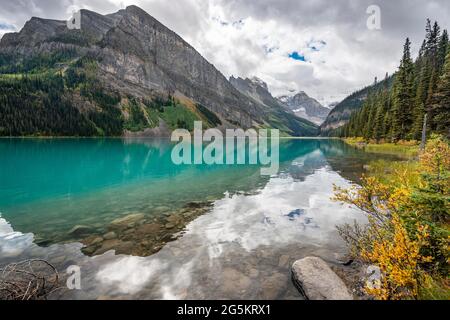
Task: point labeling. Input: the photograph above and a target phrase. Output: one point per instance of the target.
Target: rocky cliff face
(138, 56)
(305, 107)
(257, 90)
(142, 51)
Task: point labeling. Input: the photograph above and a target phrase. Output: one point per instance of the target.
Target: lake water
(151, 229)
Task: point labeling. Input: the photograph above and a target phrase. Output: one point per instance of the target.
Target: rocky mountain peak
(259, 82)
(305, 107)
(255, 88)
(136, 55)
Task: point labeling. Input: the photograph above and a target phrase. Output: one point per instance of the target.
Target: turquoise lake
(50, 185)
(213, 215)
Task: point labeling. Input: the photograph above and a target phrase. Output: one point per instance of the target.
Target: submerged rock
(110, 235)
(169, 226)
(234, 281)
(80, 230)
(316, 281)
(148, 229)
(283, 260)
(93, 240)
(121, 247)
(273, 286)
(127, 221)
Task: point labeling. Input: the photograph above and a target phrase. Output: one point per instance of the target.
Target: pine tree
(403, 94)
(432, 41)
(442, 50)
(441, 106)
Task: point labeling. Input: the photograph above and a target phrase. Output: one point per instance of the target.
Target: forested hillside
(341, 114)
(421, 88)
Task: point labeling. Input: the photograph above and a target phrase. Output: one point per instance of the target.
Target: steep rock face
(305, 107)
(257, 90)
(138, 55)
(142, 51)
(44, 35)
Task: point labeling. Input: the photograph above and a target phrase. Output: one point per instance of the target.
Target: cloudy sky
(323, 47)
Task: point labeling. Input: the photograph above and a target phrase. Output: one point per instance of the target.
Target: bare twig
(28, 280)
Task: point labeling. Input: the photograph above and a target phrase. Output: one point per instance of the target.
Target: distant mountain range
(258, 91)
(305, 107)
(124, 74)
(299, 104)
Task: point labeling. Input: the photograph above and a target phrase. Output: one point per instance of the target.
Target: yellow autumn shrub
(435, 158)
(398, 258)
(407, 234)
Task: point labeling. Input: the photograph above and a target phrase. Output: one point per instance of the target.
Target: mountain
(305, 107)
(341, 113)
(257, 90)
(121, 73)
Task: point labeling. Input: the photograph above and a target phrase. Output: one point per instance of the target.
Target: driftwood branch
(28, 280)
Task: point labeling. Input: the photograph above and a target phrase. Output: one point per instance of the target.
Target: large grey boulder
(316, 281)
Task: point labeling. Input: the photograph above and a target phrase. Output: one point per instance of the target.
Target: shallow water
(242, 247)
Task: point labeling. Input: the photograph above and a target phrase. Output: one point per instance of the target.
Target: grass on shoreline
(404, 149)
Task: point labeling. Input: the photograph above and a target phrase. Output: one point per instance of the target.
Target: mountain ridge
(136, 55)
(258, 90)
(305, 107)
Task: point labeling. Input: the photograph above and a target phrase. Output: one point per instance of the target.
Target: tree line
(38, 105)
(419, 96)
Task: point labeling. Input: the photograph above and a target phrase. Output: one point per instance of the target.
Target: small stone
(92, 240)
(125, 247)
(110, 235)
(89, 250)
(125, 222)
(169, 226)
(80, 230)
(148, 229)
(174, 219)
(108, 245)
